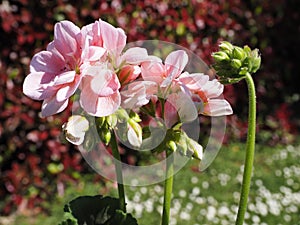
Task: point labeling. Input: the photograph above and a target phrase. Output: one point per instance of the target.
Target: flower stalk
(250, 149)
(118, 168)
(168, 187)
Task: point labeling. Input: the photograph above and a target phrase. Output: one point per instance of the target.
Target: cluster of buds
(232, 63)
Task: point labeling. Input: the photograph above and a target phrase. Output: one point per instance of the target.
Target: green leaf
(96, 210)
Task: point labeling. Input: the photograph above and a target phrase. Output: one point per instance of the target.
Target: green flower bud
(89, 142)
(100, 121)
(236, 63)
(122, 115)
(220, 56)
(226, 46)
(239, 53)
(111, 120)
(105, 136)
(241, 61)
(195, 148)
(256, 60)
(171, 145)
(134, 116)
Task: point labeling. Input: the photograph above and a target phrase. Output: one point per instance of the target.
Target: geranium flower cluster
(92, 59)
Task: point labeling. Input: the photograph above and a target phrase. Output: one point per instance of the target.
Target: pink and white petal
(184, 105)
(153, 71)
(107, 105)
(38, 86)
(175, 63)
(170, 113)
(135, 55)
(194, 81)
(46, 61)
(217, 107)
(88, 98)
(213, 88)
(51, 106)
(114, 39)
(66, 39)
(94, 53)
(64, 78)
(68, 90)
(105, 83)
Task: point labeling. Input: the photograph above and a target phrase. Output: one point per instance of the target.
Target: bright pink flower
(55, 73)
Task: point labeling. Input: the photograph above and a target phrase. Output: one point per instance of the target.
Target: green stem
(118, 167)
(168, 187)
(250, 148)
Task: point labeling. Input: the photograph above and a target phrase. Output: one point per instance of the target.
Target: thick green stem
(250, 148)
(118, 167)
(168, 188)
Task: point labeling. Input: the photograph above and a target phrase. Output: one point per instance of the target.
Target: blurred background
(35, 164)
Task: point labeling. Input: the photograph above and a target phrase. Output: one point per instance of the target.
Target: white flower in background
(75, 129)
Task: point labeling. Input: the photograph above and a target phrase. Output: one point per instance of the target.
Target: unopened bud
(220, 56)
(236, 63)
(226, 46)
(75, 129)
(238, 53)
(171, 145)
(105, 136)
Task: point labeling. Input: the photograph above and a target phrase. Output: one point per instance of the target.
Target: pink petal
(114, 39)
(68, 90)
(65, 39)
(51, 106)
(184, 106)
(63, 78)
(194, 81)
(104, 82)
(46, 61)
(217, 107)
(213, 89)
(137, 94)
(95, 53)
(170, 113)
(129, 73)
(135, 55)
(153, 71)
(37, 86)
(97, 105)
(174, 63)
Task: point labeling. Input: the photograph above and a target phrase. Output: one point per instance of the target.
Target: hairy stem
(250, 149)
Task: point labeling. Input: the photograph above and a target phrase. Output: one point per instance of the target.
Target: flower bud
(256, 60)
(220, 56)
(236, 63)
(105, 136)
(171, 145)
(232, 63)
(226, 46)
(122, 115)
(238, 53)
(195, 148)
(135, 133)
(75, 129)
(111, 120)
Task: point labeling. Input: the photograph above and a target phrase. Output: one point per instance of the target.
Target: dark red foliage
(29, 144)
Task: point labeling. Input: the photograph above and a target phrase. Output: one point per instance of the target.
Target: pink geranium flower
(205, 93)
(55, 73)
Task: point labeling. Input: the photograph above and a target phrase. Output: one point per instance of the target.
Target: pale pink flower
(100, 91)
(55, 73)
(205, 93)
(165, 73)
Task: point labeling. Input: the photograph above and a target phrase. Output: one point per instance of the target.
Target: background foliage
(35, 163)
